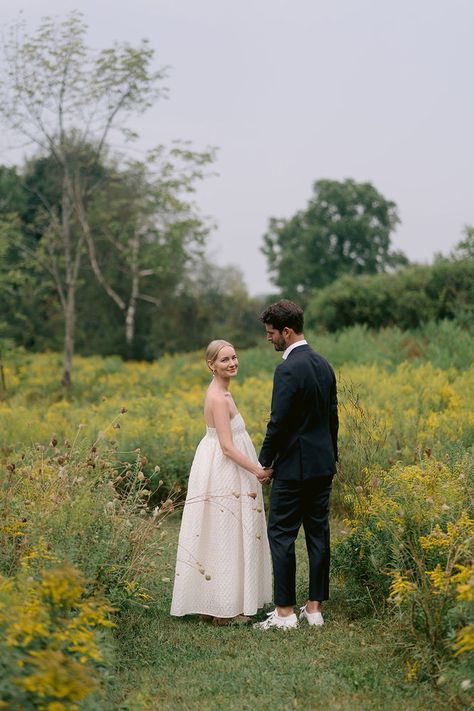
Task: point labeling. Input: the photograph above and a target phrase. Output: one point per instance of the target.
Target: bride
(223, 568)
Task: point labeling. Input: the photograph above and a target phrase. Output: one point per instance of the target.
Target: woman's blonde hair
(213, 349)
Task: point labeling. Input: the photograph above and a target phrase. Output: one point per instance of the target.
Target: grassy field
(90, 483)
(351, 663)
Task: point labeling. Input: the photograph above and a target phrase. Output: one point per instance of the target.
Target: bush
(407, 298)
(78, 542)
(50, 642)
(410, 547)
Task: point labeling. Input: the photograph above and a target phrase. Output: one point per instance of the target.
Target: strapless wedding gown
(223, 563)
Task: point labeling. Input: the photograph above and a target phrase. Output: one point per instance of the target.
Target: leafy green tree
(345, 229)
(62, 96)
(210, 302)
(27, 304)
(464, 249)
(147, 232)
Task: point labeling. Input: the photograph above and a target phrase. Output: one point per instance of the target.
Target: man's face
(276, 337)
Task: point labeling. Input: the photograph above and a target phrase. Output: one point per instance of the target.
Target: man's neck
(297, 342)
(295, 338)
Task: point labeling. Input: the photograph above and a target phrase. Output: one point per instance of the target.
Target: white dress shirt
(293, 345)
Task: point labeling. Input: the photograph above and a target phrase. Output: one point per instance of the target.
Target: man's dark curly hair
(284, 313)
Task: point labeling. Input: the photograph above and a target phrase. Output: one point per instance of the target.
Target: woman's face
(226, 363)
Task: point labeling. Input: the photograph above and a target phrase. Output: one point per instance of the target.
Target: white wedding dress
(223, 565)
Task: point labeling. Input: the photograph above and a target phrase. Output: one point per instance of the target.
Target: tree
(24, 292)
(146, 229)
(65, 98)
(345, 229)
(465, 248)
(210, 302)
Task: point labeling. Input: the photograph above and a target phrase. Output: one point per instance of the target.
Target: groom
(300, 445)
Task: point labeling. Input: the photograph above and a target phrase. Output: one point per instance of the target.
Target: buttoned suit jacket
(301, 438)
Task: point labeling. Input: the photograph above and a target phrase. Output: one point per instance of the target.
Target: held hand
(265, 476)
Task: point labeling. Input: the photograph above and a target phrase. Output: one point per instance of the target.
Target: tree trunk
(130, 323)
(132, 304)
(69, 328)
(2, 376)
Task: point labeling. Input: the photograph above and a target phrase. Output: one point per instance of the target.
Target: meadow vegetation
(91, 486)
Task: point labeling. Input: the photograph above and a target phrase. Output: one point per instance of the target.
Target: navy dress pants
(293, 503)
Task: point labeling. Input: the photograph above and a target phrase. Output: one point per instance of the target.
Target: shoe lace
(270, 617)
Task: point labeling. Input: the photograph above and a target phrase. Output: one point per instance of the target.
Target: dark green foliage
(184, 300)
(344, 230)
(407, 299)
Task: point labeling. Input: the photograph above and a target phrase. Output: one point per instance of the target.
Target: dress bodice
(237, 424)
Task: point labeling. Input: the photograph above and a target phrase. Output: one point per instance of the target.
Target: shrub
(77, 541)
(410, 546)
(407, 298)
(50, 644)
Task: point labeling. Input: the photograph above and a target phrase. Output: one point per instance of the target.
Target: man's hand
(265, 476)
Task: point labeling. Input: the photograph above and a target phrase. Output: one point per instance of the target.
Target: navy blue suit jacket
(301, 438)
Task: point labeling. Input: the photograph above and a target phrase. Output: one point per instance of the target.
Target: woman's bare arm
(221, 416)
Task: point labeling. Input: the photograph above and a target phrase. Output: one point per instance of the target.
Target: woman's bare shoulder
(215, 397)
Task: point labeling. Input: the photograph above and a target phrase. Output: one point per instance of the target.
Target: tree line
(101, 252)
(337, 259)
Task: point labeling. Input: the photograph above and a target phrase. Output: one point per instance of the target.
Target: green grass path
(180, 664)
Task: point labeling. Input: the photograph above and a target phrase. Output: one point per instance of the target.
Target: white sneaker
(274, 620)
(314, 618)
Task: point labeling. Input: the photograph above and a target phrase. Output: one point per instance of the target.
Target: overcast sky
(292, 91)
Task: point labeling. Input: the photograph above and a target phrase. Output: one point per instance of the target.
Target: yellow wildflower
(62, 586)
(40, 552)
(464, 581)
(412, 670)
(401, 587)
(439, 579)
(57, 676)
(436, 539)
(464, 640)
